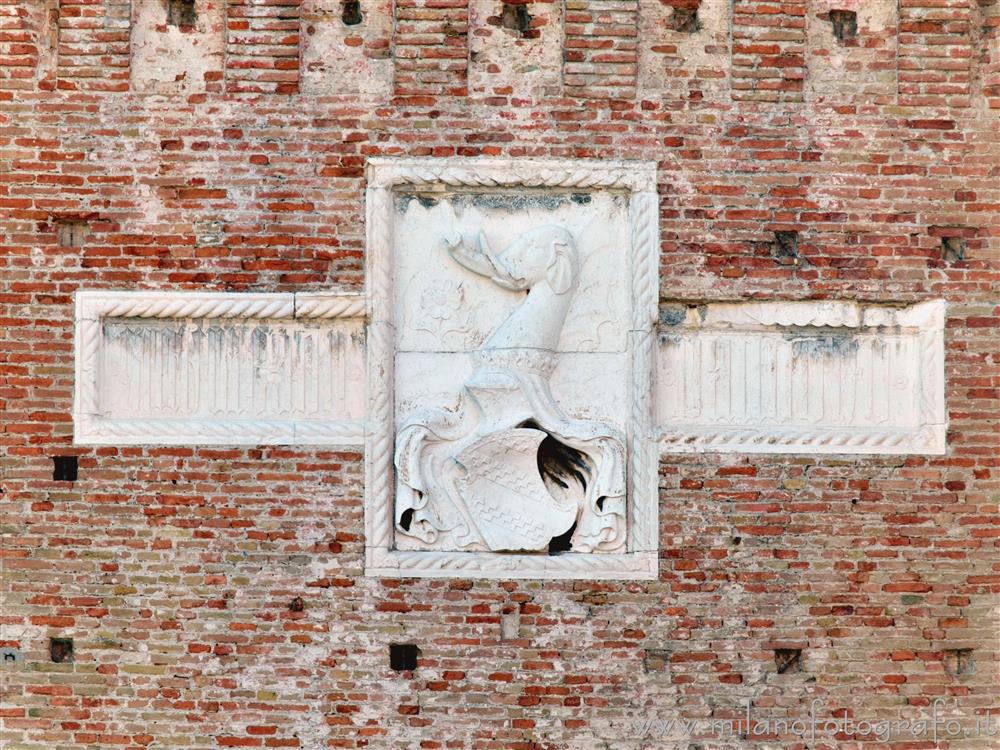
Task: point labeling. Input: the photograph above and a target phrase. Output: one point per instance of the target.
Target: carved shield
(504, 493)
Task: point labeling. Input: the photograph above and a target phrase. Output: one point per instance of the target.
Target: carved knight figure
(507, 470)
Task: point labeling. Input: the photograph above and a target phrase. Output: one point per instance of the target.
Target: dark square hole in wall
(64, 468)
(515, 16)
(297, 604)
(845, 25)
(953, 249)
(788, 660)
(685, 20)
(350, 12)
(656, 660)
(403, 656)
(785, 248)
(72, 232)
(958, 661)
(61, 649)
(181, 13)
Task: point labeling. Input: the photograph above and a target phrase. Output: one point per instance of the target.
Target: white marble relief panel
(802, 377)
(170, 368)
(471, 472)
(512, 312)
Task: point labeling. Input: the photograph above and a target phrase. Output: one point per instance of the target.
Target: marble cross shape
(510, 370)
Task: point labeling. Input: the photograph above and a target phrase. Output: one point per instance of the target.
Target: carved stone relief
(505, 468)
(180, 368)
(803, 377)
(517, 302)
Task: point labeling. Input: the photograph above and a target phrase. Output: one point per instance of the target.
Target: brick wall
(988, 63)
(28, 36)
(432, 47)
(857, 68)
(768, 52)
(935, 52)
(331, 46)
(93, 45)
(174, 570)
(262, 46)
(175, 58)
(600, 48)
(687, 58)
(507, 61)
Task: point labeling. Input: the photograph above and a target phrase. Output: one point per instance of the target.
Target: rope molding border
(97, 305)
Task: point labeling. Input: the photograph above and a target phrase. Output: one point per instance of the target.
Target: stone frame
(90, 427)
(638, 180)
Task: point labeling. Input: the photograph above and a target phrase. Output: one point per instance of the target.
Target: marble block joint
(213, 368)
(510, 359)
(802, 377)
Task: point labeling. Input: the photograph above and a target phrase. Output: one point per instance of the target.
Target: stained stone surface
(488, 451)
(802, 377)
(547, 345)
(209, 369)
